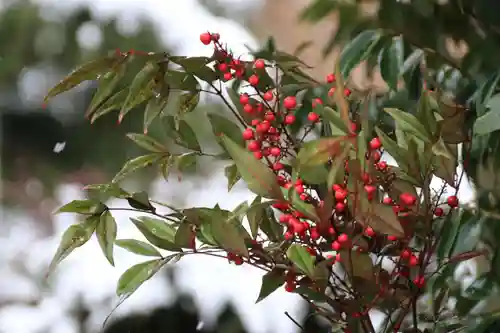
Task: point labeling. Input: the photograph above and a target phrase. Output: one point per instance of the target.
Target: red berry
(330, 78)
(263, 127)
(452, 201)
(313, 117)
(375, 143)
(253, 80)
(258, 155)
(438, 211)
(314, 234)
(290, 286)
(392, 238)
(278, 166)
(285, 218)
(343, 238)
(340, 194)
(408, 199)
(382, 165)
(369, 232)
(387, 201)
(269, 116)
(244, 99)
(337, 187)
(370, 189)
(222, 67)
(413, 261)
(336, 246)
(290, 102)
(405, 254)
(289, 119)
(206, 38)
(228, 76)
(275, 151)
(331, 92)
(259, 64)
(248, 134)
(376, 156)
(254, 145)
(316, 102)
(248, 108)
(340, 207)
(347, 92)
(268, 96)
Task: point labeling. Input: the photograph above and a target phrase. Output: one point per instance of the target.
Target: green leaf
(255, 216)
(136, 275)
(490, 121)
(338, 126)
(271, 281)
(159, 228)
(362, 149)
(74, 237)
(447, 236)
(136, 164)
(181, 80)
(358, 50)
(166, 165)
(184, 236)
(425, 113)
(188, 102)
(186, 161)
(221, 125)
(82, 207)
(232, 175)
(147, 142)
(140, 200)
(320, 151)
(182, 134)
(395, 150)
(112, 190)
(106, 235)
(302, 259)
(316, 174)
(336, 173)
(270, 226)
(305, 208)
(112, 103)
(258, 177)
(409, 124)
(140, 85)
(89, 71)
(106, 85)
(154, 108)
(228, 235)
(357, 264)
(197, 66)
(390, 64)
(157, 233)
(383, 220)
(138, 247)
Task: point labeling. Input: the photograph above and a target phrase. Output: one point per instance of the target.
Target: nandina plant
(332, 220)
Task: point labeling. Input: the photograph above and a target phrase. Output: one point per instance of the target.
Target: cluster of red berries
(266, 138)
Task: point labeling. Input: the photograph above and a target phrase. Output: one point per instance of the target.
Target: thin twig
(294, 321)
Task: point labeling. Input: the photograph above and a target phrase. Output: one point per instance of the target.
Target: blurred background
(48, 155)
